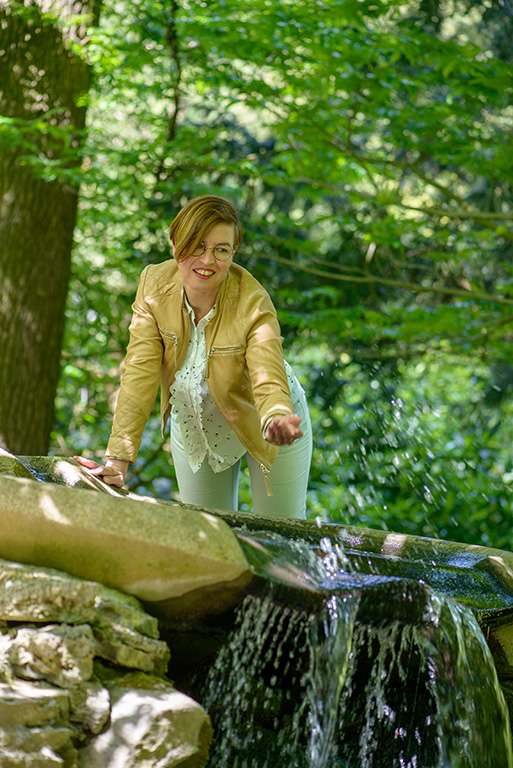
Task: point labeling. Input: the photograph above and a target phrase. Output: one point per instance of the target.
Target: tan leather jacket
(246, 376)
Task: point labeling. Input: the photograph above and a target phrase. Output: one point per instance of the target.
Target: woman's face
(206, 273)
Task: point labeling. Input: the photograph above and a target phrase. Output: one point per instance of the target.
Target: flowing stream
(307, 678)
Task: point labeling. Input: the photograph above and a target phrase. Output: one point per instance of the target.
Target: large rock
(89, 707)
(57, 698)
(37, 594)
(151, 724)
(140, 720)
(186, 563)
(164, 555)
(45, 747)
(128, 648)
(32, 704)
(122, 632)
(11, 465)
(56, 624)
(60, 654)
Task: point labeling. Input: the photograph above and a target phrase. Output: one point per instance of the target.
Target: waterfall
(314, 687)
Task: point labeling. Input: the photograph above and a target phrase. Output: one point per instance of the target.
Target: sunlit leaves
(370, 159)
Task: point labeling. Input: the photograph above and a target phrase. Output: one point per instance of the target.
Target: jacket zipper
(266, 471)
(174, 339)
(225, 350)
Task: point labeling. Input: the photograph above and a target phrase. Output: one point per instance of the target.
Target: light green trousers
(289, 477)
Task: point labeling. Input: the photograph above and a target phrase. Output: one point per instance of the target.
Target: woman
(207, 330)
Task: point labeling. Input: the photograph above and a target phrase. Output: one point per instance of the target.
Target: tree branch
(172, 41)
(462, 212)
(370, 279)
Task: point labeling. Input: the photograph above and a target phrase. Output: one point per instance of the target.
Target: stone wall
(83, 679)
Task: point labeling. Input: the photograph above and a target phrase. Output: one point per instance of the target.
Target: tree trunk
(40, 80)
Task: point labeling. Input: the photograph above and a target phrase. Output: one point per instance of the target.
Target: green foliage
(418, 448)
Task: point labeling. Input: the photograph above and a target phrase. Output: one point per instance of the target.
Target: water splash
(317, 688)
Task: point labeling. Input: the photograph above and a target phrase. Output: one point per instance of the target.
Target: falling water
(317, 688)
(330, 645)
(273, 703)
(472, 719)
(243, 696)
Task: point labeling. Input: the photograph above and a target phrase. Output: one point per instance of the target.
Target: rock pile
(82, 679)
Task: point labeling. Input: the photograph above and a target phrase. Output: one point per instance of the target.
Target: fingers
(89, 463)
(109, 474)
(93, 466)
(99, 469)
(290, 428)
(116, 480)
(283, 430)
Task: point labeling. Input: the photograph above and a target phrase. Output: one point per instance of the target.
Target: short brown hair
(197, 217)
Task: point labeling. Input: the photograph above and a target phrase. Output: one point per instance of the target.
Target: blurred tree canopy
(368, 146)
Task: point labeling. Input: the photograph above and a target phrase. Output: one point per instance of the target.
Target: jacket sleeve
(264, 359)
(140, 378)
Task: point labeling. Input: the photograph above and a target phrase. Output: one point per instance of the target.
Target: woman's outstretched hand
(112, 472)
(283, 430)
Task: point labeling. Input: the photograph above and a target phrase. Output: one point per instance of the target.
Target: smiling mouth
(203, 273)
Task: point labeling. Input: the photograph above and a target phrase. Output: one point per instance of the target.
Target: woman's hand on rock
(112, 472)
(283, 430)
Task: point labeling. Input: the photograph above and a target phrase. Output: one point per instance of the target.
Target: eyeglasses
(221, 252)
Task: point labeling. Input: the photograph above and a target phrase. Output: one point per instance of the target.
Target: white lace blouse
(202, 427)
